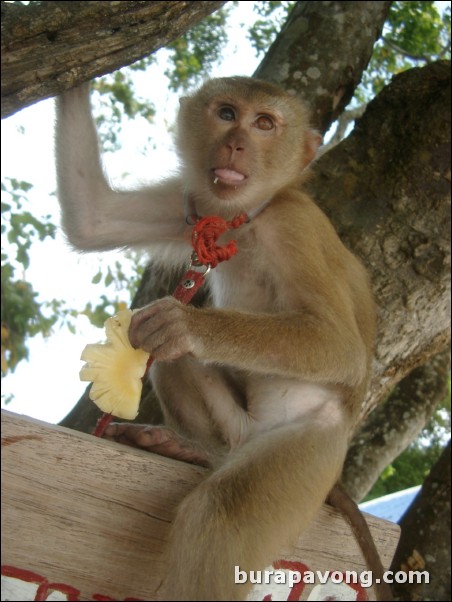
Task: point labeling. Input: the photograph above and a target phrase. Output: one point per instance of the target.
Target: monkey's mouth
(229, 177)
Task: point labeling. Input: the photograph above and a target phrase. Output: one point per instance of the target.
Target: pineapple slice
(115, 368)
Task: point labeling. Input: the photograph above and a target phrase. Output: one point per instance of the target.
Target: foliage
(273, 15)
(414, 464)
(23, 316)
(117, 100)
(118, 279)
(193, 55)
(415, 33)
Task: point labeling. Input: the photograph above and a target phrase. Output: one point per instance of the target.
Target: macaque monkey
(265, 385)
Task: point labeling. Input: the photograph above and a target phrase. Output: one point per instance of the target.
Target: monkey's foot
(157, 439)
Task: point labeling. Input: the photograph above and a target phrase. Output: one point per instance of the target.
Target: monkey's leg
(185, 388)
(190, 433)
(159, 440)
(261, 499)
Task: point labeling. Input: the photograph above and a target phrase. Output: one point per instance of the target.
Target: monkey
(264, 385)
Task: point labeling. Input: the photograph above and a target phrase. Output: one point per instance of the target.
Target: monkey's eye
(264, 122)
(226, 113)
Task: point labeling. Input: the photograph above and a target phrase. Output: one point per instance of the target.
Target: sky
(47, 385)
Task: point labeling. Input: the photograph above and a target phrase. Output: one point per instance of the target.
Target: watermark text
(293, 577)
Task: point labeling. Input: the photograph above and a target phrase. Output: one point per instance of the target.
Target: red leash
(207, 253)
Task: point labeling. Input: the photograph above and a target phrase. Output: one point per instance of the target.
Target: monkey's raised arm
(94, 216)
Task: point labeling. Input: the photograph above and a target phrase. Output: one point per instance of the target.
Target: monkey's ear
(311, 144)
(183, 100)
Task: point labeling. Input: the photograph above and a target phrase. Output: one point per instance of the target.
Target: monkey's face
(240, 141)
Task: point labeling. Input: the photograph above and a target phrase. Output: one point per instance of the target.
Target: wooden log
(87, 519)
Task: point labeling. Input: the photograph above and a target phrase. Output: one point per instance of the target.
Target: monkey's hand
(165, 329)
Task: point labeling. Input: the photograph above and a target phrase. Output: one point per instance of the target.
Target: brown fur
(266, 384)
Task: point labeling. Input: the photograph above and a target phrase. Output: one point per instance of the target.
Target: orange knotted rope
(205, 234)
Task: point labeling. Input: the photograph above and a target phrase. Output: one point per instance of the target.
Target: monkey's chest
(245, 285)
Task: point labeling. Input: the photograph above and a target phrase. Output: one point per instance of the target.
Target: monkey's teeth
(115, 368)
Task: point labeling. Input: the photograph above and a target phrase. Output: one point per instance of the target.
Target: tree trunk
(425, 541)
(48, 47)
(393, 425)
(386, 188)
(322, 51)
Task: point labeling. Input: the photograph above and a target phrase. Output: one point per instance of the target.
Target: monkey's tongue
(229, 175)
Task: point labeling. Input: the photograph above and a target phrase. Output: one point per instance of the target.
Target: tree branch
(48, 47)
(343, 121)
(393, 425)
(425, 539)
(401, 51)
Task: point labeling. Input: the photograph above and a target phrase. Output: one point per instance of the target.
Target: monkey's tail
(340, 499)
(239, 518)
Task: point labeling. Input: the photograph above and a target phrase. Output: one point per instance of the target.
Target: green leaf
(97, 278)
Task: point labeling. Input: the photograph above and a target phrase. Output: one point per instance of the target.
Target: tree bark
(48, 47)
(386, 188)
(393, 425)
(425, 538)
(322, 51)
